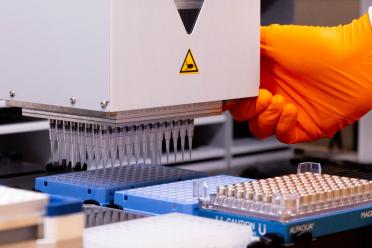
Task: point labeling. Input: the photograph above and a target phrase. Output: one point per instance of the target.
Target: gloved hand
(314, 81)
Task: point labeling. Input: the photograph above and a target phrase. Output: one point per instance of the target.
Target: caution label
(189, 64)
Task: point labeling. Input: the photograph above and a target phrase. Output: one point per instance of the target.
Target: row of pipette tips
(76, 143)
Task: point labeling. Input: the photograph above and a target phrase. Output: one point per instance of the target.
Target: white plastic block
(62, 228)
(20, 207)
(169, 231)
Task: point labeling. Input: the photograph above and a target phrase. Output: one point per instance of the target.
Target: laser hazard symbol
(189, 65)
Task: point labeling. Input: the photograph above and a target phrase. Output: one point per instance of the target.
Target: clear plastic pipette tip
(167, 137)
(52, 137)
(89, 143)
(144, 141)
(175, 132)
(152, 137)
(129, 144)
(182, 137)
(190, 134)
(159, 139)
(113, 145)
(137, 145)
(105, 145)
(121, 144)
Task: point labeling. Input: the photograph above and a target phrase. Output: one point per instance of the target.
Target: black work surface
(357, 238)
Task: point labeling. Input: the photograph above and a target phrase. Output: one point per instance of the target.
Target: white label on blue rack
(366, 215)
(302, 228)
(258, 229)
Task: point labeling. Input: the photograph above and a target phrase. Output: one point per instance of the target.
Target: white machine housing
(84, 56)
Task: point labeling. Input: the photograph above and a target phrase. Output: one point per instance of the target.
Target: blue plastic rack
(99, 186)
(319, 225)
(170, 197)
(61, 205)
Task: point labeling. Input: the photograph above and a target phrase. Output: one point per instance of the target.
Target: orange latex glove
(314, 81)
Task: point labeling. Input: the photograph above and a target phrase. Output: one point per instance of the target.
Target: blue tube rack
(318, 225)
(99, 186)
(170, 197)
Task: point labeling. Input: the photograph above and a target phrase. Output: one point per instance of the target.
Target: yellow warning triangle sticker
(189, 65)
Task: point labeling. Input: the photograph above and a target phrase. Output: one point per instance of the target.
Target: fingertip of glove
(288, 117)
(264, 93)
(286, 129)
(279, 97)
(290, 109)
(264, 99)
(278, 102)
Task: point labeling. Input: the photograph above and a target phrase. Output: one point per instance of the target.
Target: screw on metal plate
(12, 93)
(73, 100)
(104, 104)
